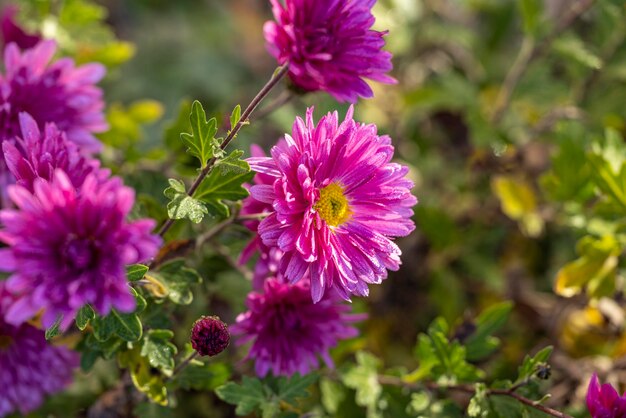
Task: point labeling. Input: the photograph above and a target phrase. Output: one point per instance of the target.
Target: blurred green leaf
(481, 342)
(136, 272)
(53, 331)
(364, 379)
(531, 14)
(177, 280)
(159, 350)
(83, 316)
(573, 47)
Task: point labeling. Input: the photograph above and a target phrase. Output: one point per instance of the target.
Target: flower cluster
(331, 199)
(64, 235)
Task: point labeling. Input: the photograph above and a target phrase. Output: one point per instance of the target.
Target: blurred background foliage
(511, 116)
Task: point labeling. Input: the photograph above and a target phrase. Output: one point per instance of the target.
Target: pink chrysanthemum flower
(338, 201)
(69, 247)
(289, 331)
(604, 401)
(329, 46)
(33, 155)
(30, 368)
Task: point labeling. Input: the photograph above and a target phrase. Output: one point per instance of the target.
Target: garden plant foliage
(318, 208)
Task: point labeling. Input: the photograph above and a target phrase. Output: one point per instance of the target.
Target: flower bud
(209, 336)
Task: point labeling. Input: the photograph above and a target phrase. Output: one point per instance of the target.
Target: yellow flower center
(5, 342)
(332, 205)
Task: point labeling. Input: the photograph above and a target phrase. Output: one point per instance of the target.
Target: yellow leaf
(595, 268)
(516, 196)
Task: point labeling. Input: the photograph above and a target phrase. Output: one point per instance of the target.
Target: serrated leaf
(136, 272)
(53, 331)
(249, 396)
(159, 350)
(181, 205)
(83, 316)
(289, 389)
(218, 187)
(201, 143)
(364, 379)
(233, 164)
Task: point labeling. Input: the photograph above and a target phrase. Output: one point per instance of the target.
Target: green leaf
(181, 205)
(125, 325)
(159, 350)
(531, 13)
(201, 143)
(152, 410)
(529, 366)
(479, 404)
(83, 316)
(249, 396)
(53, 331)
(143, 378)
(201, 376)
(233, 164)
(235, 116)
(481, 343)
(333, 394)
(364, 379)
(595, 268)
(218, 187)
(289, 389)
(136, 272)
(177, 280)
(574, 48)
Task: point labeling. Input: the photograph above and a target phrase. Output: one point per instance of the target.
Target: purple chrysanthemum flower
(289, 331)
(338, 201)
(59, 93)
(604, 401)
(329, 46)
(33, 155)
(30, 368)
(269, 258)
(69, 247)
(12, 32)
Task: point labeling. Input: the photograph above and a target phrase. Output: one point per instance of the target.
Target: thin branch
(276, 77)
(396, 381)
(184, 364)
(531, 51)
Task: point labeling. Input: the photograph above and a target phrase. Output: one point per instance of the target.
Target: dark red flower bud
(209, 336)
